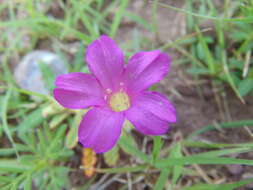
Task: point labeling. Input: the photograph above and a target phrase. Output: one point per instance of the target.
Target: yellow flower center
(119, 102)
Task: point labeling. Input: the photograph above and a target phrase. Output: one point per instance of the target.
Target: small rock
(235, 169)
(28, 73)
(248, 176)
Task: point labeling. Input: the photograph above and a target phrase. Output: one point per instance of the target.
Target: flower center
(119, 102)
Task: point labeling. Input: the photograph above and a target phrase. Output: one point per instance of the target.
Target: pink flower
(116, 92)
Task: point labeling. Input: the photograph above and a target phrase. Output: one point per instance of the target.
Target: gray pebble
(28, 74)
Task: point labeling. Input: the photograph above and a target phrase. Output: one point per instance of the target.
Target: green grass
(40, 137)
(225, 53)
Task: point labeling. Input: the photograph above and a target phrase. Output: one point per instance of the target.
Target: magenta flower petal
(146, 68)
(151, 113)
(157, 104)
(146, 122)
(100, 129)
(106, 61)
(74, 91)
(79, 82)
(74, 99)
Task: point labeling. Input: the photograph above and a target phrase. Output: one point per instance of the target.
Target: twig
(199, 169)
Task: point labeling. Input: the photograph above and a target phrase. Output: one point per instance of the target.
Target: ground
(198, 102)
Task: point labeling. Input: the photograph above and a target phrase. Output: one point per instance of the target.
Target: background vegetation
(39, 148)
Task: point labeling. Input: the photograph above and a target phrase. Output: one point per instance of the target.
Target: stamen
(108, 90)
(119, 101)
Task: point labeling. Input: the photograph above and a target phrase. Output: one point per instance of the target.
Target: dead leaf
(89, 160)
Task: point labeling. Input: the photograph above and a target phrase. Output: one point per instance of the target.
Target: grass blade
(122, 170)
(13, 166)
(117, 18)
(163, 177)
(248, 19)
(128, 147)
(234, 124)
(156, 147)
(4, 119)
(201, 160)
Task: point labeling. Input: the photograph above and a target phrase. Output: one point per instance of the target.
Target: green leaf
(229, 76)
(4, 110)
(188, 160)
(248, 19)
(46, 25)
(233, 124)
(117, 17)
(112, 156)
(78, 59)
(207, 53)
(157, 145)
(229, 186)
(163, 178)
(43, 141)
(191, 143)
(59, 177)
(200, 51)
(139, 20)
(57, 141)
(57, 120)
(28, 183)
(225, 152)
(176, 152)
(5, 179)
(7, 151)
(198, 71)
(32, 120)
(13, 166)
(128, 144)
(245, 86)
(71, 138)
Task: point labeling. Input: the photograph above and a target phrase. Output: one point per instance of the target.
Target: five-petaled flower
(116, 91)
